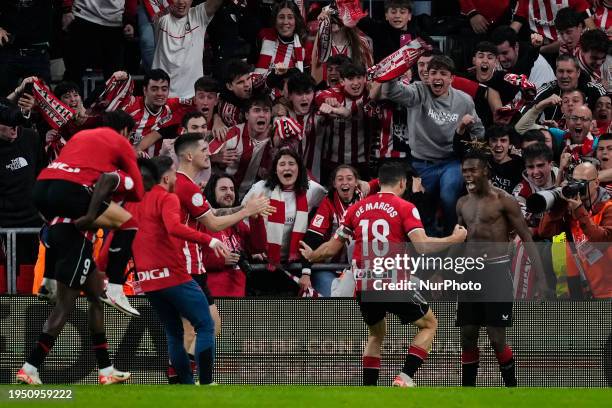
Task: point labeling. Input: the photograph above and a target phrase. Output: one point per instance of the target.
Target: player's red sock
(470, 358)
(507, 366)
(41, 349)
(414, 359)
(100, 348)
(371, 368)
(171, 374)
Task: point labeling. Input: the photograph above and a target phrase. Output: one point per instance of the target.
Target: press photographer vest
(596, 264)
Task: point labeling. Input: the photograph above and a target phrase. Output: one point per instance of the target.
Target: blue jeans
(146, 39)
(186, 300)
(322, 281)
(442, 180)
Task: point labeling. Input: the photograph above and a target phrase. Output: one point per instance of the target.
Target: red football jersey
(92, 152)
(378, 223)
(158, 246)
(193, 206)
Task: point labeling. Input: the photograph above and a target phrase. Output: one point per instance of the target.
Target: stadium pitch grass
(92, 396)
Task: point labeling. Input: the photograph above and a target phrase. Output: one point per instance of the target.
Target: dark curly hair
(209, 190)
(301, 184)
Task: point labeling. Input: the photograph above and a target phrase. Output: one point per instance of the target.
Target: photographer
(225, 276)
(539, 174)
(585, 213)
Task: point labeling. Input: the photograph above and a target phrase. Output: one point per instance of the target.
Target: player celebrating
(489, 214)
(384, 220)
(61, 195)
(193, 156)
(163, 276)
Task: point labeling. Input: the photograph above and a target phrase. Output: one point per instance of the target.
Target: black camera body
(573, 188)
(244, 263)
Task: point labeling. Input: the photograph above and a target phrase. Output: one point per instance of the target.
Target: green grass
(128, 396)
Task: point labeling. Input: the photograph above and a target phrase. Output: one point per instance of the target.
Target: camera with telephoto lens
(544, 200)
(573, 188)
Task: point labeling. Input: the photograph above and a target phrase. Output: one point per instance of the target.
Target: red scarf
(324, 40)
(55, 112)
(350, 12)
(287, 128)
(399, 62)
(115, 94)
(276, 225)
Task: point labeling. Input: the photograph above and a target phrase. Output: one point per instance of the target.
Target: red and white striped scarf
(399, 62)
(522, 273)
(54, 111)
(350, 12)
(276, 225)
(602, 17)
(288, 129)
(324, 40)
(155, 7)
(230, 113)
(274, 51)
(116, 94)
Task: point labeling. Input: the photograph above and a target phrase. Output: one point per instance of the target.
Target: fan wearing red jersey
(163, 276)
(246, 152)
(301, 128)
(376, 223)
(347, 132)
(346, 191)
(151, 111)
(540, 15)
(61, 195)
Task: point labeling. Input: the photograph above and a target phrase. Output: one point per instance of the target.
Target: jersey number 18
(379, 231)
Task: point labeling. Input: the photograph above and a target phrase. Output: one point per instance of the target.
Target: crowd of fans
(283, 94)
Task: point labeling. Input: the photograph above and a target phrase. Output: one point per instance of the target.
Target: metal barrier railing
(298, 267)
(11, 254)
(11, 259)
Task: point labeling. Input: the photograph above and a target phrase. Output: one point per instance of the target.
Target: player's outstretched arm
(324, 251)
(257, 205)
(425, 244)
(172, 222)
